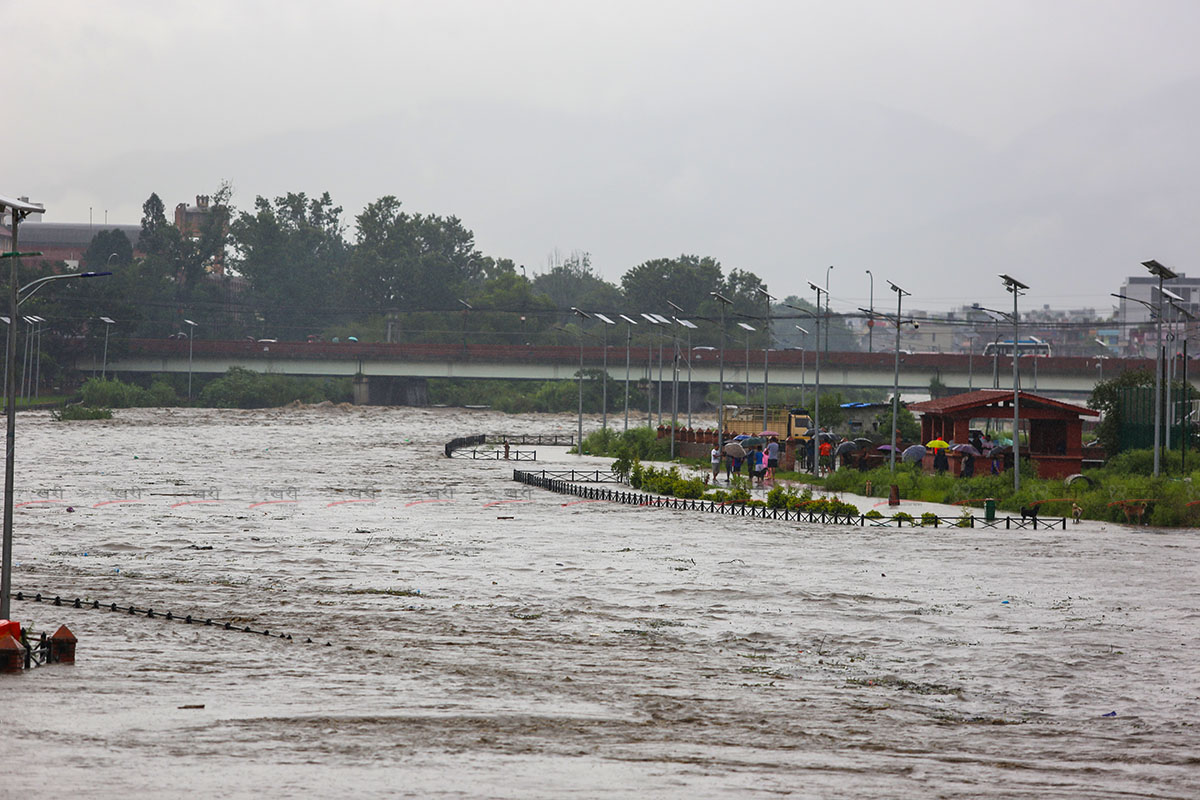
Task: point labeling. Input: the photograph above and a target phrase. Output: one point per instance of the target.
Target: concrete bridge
(395, 373)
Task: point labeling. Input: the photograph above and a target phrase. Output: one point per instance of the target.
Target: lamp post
(108, 323)
(1162, 273)
(650, 376)
(604, 382)
(748, 329)
(1016, 287)
(803, 380)
(896, 375)
(466, 307)
(724, 301)
(817, 389)
(628, 343)
(191, 338)
(582, 315)
(767, 298)
(871, 318)
(827, 271)
(690, 326)
(16, 296)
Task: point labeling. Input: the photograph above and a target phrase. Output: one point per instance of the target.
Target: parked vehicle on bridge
(1033, 346)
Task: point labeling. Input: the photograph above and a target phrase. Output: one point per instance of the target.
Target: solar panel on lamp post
(650, 374)
(108, 323)
(579, 441)
(1013, 285)
(1163, 274)
(191, 338)
(628, 343)
(896, 374)
(748, 329)
(817, 381)
(766, 352)
(724, 301)
(604, 381)
(18, 210)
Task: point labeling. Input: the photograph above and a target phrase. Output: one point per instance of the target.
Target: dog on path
(1029, 512)
(1076, 512)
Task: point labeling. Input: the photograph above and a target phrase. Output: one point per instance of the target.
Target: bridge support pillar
(362, 390)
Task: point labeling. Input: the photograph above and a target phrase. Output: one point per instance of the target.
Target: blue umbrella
(914, 453)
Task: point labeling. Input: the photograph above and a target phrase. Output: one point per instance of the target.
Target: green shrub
(930, 519)
(903, 516)
(80, 412)
(873, 514)
(243, 388)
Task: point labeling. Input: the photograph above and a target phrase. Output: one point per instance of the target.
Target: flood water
(488, 641)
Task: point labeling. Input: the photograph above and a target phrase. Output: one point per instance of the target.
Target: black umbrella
(845, 447)
(914, 453)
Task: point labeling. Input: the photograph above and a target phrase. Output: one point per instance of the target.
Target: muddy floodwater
(471, 638)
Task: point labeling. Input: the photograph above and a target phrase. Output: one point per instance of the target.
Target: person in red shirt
(826, 457)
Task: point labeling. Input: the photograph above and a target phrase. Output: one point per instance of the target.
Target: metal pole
(827, 271)
(723, 301)
(649, 383)
(896, 377)
(10, 396)
(660, 380)
(1158, 365)
(1016, 393)
(689, 383)
(766, 357)
(747, 400)
(628, 342)
(871, 319)
(674, 391)
(816, 441)
(191, 336)
(604, 384)
(579, 440)
(104, 369)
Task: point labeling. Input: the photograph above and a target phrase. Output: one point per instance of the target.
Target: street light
(1015, 286)
(583, 315)
(628, 342)
(191, 338)
(690, 326)
(817, 390)
(466, 307)
(17, 294)
(604, 383)
(871, 319)
(803, 380)
(827, 271)
(748, 329)
(896, 374)
(1162, 273)
(650, 376)
(108, 323)
(724, 301)
(766, 352)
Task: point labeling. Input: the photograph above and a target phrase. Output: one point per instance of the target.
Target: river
(471, 638)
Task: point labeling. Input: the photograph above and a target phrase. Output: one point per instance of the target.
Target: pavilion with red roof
(1055, 428)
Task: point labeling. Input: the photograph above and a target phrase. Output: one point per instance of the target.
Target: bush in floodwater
(114, 393)
(873, 514)
(930, 519)
(904, 516)
(243, 388)
(80, 412)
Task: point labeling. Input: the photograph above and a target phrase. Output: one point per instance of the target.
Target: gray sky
(934, 142)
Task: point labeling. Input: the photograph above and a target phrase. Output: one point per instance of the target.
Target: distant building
(63, 241)
(190, 220)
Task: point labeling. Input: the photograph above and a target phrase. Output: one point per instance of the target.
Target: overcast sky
(934, 142)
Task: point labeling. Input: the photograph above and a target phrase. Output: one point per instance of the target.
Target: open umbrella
(769, 433)
(937, 444)
(752, 441)
(914, 453)
(845, 447)
(734, 449)
(965, 449)
(887, 448)
(863, 441)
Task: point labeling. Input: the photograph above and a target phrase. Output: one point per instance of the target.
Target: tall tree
(106, 245)
(571, 282)
(292, 252)
(412, 261)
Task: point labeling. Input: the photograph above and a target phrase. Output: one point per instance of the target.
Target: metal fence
(763, 512)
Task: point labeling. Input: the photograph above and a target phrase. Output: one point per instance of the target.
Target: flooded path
(485, 640)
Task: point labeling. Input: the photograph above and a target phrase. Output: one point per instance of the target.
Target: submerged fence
(543, 481)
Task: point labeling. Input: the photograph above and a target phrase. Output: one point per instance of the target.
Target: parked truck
(787, 422)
